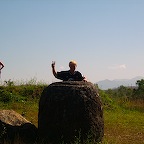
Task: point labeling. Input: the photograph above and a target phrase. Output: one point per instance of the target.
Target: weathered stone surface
(16, 129)
(68, 110)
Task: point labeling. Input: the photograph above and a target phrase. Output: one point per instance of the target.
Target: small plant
(9, 83)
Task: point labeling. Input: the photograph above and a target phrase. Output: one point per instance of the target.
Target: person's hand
(53, 64)
(84, 79)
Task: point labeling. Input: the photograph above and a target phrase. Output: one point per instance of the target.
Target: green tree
(139, 92)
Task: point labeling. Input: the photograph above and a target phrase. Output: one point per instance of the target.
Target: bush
(10, 92)
(5, 96)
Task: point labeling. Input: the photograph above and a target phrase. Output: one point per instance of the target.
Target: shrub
(5, 96)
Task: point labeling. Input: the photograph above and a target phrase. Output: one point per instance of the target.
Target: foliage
(139, 92)
(23, 92)
(5, 96)
(120, 92)
(107, 101)
(9, 82)
(128, 92)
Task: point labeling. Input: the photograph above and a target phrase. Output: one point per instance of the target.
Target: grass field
(124, 127)
(123, 124)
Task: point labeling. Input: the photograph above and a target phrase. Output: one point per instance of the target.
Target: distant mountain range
(111, 84)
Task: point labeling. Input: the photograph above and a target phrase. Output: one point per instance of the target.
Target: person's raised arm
(53, 68)
(1, 65)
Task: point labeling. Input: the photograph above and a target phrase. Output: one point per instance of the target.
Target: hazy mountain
(106, 84)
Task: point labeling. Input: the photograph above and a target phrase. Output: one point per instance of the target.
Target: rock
(16, 129)
(70, 110)
(12, 118)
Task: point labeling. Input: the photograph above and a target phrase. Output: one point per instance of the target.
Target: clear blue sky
(105, 37)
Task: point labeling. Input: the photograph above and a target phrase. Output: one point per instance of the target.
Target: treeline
(32, 91)
(128, 92)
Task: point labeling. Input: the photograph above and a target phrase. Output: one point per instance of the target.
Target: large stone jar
(68, 111)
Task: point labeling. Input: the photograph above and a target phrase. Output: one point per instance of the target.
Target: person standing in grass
(69, 75)
(1, 67)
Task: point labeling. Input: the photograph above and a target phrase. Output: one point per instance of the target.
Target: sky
(105, 37)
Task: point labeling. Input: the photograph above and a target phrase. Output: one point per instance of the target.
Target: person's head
(72, 65)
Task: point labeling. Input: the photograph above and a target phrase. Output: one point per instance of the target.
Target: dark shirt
(68, 76)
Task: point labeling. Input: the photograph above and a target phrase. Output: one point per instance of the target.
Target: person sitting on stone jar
(69, 75)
